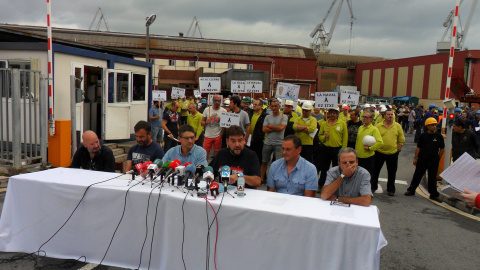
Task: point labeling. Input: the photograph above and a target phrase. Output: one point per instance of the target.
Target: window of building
(231, 65)
(191, 63)
(139, 86)
(25, 77)
(250, 67)
(171, 62)
(211, 65)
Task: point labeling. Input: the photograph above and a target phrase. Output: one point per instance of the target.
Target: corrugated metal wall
(417, 81)
(376, 79)
(388, 84)
(402, 81)
(435, 81)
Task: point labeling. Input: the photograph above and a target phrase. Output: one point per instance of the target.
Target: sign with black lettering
(349, 97)
(196, 93)
(326, 100)
(177, 92)
(209, 84)
(237, 87)
(159, 95)
(253, 86)
(228, 119)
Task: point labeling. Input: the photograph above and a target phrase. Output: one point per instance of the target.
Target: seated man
(187, 151)
(92, 155)
(293, 174)
(239, 158)
(348, 182)
(145, 149)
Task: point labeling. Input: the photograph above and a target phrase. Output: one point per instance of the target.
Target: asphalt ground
(421, 234)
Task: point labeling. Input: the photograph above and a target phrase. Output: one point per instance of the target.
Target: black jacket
(258, 134)
(104, 161)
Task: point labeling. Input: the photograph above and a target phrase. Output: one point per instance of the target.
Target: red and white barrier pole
(453, 41)
(51, 116)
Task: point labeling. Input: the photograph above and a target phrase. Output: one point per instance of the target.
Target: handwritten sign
(253, 86)
(349, 97)
(196, 93)
(237, 87)
(177, 92)
(287, 91)
(326, 100)
(228, 119)
(209, 84)
(159, 95)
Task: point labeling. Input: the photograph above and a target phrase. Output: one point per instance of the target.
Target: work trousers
(329, 156)
(369, 165)
(422, 166)
(392, 165)
(307, 152)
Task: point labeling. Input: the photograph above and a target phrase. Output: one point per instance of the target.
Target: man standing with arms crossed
(274, 126)
(333, 134)
(393, 140)
(170, 125)
(303, 126)
(211, 122)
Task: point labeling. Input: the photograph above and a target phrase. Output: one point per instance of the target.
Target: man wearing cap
(344, 115)
(366, 154)
(393, 140)
(304, 126)
(226, 104)
(334, 135)
(429, 149)
(202, 105)
(211, 122)
(246, 104)
(288, 111)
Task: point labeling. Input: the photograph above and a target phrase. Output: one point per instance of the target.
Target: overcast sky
(385, 28)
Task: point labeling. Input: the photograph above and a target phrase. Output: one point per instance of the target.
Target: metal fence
(23, 115)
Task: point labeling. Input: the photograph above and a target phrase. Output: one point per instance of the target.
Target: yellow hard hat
(430, 121)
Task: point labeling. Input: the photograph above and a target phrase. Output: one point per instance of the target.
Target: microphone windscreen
(158, 162)
(209, 169)
(174, 164)
(190, 168)
(166, 164)
(186, 164)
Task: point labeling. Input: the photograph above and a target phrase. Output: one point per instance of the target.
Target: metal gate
(23, 115)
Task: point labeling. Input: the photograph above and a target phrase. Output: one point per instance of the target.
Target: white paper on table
(342, 211)
(463, 173)
(313, 133)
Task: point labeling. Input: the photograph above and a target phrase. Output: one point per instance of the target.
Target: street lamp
(150, 19)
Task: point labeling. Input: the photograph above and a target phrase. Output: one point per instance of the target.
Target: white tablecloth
(263, 230)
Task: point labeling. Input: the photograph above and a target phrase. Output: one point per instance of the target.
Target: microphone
(225, 175)
(189, 172)
(199, 169)
(154, 167)
(164, 167)
(208, 176)
(187, 163)
(180, 172)
(171, 167)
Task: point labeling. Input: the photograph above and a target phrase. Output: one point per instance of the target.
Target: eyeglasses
(366, 117)
(217, 100)
(188, 138)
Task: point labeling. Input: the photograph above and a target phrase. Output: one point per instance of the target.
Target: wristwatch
(342, 176)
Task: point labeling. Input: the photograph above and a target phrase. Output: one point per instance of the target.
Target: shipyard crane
(321, 38)
(444, 44)
(197, 26)
(100, 19)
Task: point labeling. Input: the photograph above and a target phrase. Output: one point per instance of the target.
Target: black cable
(210, 226)
(38, 251)
(120, 221)
(183, 235)
(153, 229)
(146, 223)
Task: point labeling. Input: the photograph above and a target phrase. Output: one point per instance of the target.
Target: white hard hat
(368, 140)
(307, 106)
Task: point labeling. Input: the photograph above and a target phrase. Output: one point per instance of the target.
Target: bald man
(92, 155)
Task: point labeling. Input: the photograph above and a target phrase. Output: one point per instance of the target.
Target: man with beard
(170, 124)
(238, 158)
(92, 155)
(145, 149)
(211, 122)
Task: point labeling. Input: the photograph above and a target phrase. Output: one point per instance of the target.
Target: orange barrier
(60, 145)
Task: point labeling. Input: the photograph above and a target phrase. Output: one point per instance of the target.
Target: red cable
(216, 234)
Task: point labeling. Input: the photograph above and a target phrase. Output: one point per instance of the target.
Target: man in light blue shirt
(187, 151)
(293, 174)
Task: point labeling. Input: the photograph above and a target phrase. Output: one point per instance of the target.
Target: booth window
(139, 86)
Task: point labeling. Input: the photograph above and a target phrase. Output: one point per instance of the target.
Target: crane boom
(444, 44)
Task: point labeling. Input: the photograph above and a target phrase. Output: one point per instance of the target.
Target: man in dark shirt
(170, 125)
(145, 149)
(463, 140)
(92, 155)
(239, 158)
(352, 127)
(429, 149)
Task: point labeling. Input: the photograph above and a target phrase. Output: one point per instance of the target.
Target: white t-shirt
(213, 129)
